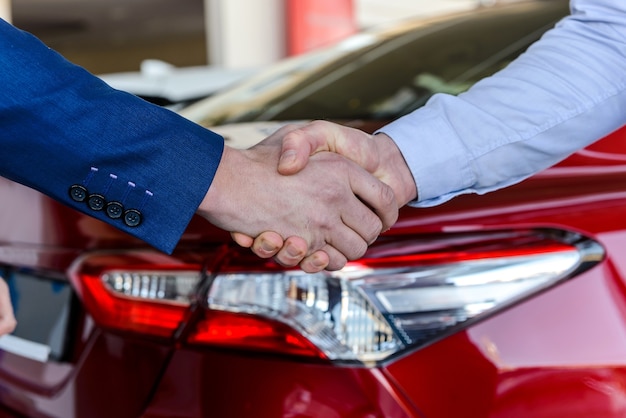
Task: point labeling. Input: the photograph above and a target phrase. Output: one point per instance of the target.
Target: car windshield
(385, 74)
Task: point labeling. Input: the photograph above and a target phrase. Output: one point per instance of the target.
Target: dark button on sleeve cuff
(114, 210)
(78, 193)
(96, 202)
(132, 217)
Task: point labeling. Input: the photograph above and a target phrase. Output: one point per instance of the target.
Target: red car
(511, 304)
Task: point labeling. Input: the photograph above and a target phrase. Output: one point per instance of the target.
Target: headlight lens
(331, 312)
(380, 306)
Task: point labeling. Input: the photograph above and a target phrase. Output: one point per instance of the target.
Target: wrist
(395, 171)
(214, 205)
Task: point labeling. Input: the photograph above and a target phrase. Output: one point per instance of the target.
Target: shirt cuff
(436, 156)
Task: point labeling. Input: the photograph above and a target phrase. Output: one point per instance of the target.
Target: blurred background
(107, 36)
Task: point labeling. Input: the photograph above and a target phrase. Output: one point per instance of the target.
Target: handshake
(313, 195)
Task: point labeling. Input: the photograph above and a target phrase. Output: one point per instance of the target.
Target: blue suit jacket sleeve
(64, 132)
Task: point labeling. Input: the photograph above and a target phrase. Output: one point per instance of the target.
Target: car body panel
(559, 354)
(272, 387)
(66, 389)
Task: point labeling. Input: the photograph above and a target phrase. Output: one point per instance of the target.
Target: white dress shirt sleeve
(565, 92)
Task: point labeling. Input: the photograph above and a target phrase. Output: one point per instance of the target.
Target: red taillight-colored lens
(228, 329)
(138, 293)
(129, 314)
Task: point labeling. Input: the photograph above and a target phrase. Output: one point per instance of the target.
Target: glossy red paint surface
(113, 376)
(561, 353)
(265, 386)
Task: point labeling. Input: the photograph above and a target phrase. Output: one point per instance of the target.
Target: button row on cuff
(97, 202)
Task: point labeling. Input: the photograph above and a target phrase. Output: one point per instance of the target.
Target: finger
(336, 259)
(347, 240)
(315, 262)
(279, 135)
(378, 196)
(7, 318)
(299, 144)
(292, 253)
(267, 244)
(242, 239)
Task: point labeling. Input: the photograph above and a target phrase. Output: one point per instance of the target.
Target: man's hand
(332, 205)
(377, 154)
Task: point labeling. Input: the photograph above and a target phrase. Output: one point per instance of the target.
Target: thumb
(299, 144)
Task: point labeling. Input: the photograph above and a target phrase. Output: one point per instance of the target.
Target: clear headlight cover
(163, 286)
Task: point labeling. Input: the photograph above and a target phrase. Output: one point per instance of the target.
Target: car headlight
(403, 296)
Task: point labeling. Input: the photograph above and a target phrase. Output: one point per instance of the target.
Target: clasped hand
(325, 211)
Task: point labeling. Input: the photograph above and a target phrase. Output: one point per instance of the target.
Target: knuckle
(293, 137)
(285, 261)
(312, 264)
(336, 263)
(388, 205)
(387, 196)
(357, 250)
(374, 228)
(318, 123)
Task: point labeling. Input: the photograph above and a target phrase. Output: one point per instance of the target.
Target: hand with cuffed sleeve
(333, 205)
(147, 171)
(565, 92)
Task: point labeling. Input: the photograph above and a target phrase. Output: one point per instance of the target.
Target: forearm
(62, 126)
(567, 91)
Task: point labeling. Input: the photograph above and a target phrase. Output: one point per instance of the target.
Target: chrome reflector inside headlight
(153, 285)
(406, 295)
